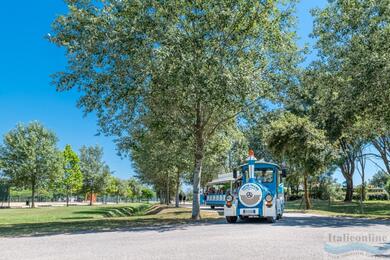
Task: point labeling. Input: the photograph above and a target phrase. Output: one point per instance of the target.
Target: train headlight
(268, 198)
(229, 198)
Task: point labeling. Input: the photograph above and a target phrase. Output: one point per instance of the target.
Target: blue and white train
(259, 192)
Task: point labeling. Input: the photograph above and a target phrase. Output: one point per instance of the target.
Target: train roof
(262, 162)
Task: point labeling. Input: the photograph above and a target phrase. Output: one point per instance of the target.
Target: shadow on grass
(76, 218)
(159, 224)
(101, 225)
(109, 212)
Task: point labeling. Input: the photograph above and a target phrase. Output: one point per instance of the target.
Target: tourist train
(257, 192)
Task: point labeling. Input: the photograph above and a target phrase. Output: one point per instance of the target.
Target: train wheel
(231, 219)
(271, 219)
(243, 217)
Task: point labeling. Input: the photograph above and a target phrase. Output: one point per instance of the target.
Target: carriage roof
(222, 178)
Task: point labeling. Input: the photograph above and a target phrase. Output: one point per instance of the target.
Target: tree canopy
(72, 179)
(191, 65)
(29, 157)
(304, 146)
(94, 170)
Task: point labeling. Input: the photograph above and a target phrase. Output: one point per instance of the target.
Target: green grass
(87, 219)
(372, 209)
(68, 214)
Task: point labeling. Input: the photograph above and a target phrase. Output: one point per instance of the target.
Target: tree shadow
(315, 221)
(164, 224)
(101, 225)
(108, 212)
(311, 221)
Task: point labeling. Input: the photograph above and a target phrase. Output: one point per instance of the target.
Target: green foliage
(30, 157)
(326, 187)
(119, 188)
(387, 187)
(136, 188)
(354, 43)
(300, 142)
(95, 171)
(72, 179)
(297, 140)
(379, 179)
(147, 193)
(192, 66)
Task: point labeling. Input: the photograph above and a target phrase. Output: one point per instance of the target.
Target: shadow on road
(330, 222)
(165, 225)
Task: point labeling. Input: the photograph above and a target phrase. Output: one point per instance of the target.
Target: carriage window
(264, 175)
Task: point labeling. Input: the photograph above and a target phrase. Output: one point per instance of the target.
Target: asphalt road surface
(296, 236)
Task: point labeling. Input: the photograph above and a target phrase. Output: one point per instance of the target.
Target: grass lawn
(84, 219)
(372, 209)
(68, 214)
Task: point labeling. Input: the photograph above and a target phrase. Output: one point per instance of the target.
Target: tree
(353, 42)
(147, 194)
(379, 179)
(387, 187)
(136, 188)
(117, 187)
(382, 145)
(30, 157)
(72, 179)
(193, 65)
(297, 140)
(94, 170)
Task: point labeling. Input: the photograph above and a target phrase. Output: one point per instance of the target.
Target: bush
(378, 196)
(294, 197)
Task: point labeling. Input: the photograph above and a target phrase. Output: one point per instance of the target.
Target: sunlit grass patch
(371, 209)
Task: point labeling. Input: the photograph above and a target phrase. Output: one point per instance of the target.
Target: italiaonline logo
(338, 245)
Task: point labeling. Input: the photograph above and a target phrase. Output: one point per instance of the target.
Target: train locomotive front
(258, 193)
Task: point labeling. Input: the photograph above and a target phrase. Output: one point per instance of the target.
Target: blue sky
(28, 60)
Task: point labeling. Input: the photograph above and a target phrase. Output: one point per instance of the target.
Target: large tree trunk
(90, 198)
(168, 195)
(177, 189)
(362, 195)
(348, 168)
(161, 197)
(33, 194)
(196, 180)
(306, 190)
(199, 154)
(67, 197)
(349, 192)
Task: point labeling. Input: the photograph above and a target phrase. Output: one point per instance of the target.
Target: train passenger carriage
(217, 189)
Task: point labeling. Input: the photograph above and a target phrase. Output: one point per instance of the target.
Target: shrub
(294, 197)
(378, 196)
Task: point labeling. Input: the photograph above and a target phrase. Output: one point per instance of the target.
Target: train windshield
(264, 175)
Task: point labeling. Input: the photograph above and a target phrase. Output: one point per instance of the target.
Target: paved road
(297, 236)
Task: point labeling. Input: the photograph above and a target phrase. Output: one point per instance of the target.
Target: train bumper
(229, 212)
(269, 211)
